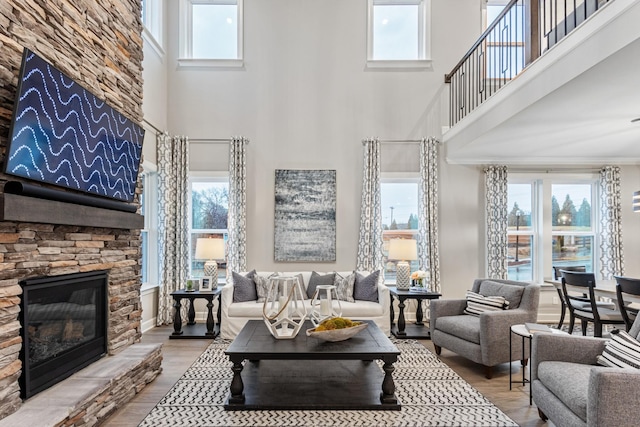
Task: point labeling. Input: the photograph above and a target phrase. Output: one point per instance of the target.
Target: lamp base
(403, 276)
(211, 269)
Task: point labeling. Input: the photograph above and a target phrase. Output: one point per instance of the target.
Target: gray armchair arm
(495, 328)
(445, 307)
(614, 396)
(564, 348)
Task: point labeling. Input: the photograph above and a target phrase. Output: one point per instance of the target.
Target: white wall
(306, 100)
(154, 107)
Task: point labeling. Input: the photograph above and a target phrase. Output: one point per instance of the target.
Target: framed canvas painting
(305, 215)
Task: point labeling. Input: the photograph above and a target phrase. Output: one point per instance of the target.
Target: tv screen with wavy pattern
(64, 135)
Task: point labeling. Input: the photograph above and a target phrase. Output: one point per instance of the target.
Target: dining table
(605, 288)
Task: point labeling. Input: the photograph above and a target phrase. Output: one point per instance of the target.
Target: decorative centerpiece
(283, 310)
(419, 281)
(336, 329)
(322, 306)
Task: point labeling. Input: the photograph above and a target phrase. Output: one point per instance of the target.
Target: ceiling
(573, 106)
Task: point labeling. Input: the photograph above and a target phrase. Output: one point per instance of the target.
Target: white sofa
(234, 315)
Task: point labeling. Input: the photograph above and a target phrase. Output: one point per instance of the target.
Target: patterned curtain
(611, 254)
(370, 239)
(237, 219)
(428, 253)
(173, 228)
(497, 221)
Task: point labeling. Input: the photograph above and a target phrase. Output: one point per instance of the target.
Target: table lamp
(403, 250)
(210, 250)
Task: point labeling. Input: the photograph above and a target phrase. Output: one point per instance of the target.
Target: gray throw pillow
(317, 279)
(344, 287)
(244, 287)
(366, 288)
(512, 293)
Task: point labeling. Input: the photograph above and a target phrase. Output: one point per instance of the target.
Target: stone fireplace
(99, 45)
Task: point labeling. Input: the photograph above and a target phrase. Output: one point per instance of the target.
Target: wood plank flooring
(180, 354)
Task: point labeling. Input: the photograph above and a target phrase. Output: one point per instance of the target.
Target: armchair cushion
(622, 351)
(463, 326)
(569, 382)
(477, 303)
(512, 293)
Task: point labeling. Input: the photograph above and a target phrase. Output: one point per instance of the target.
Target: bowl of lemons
(336, 329)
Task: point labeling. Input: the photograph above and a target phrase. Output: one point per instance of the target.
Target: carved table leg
(392, 313)
(237, 386)
(192, 313)
(177, 318)
(401, 321)
(210, 323)
(419, 313)
(388, 386)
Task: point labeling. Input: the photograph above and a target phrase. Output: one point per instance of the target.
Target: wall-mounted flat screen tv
(62, 134)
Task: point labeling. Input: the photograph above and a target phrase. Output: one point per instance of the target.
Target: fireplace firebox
(64, 327)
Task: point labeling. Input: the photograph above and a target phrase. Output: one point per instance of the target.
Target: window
(211, 32)
(551, 223)
(398, 31)
(209, 206)
(399, 200)
(152, 23)
(149, 234)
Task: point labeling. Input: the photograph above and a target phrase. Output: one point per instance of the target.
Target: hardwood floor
(180, 354)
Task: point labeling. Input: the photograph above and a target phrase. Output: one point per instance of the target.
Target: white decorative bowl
(335, 335)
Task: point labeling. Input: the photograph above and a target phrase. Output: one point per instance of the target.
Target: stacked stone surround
(98, 44)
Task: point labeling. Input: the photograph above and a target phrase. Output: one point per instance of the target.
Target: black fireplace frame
(35, 379)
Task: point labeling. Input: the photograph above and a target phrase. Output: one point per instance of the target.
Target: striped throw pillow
(621, 351)
(477, 304)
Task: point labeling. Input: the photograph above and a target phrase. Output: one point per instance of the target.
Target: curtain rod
(213, 140)
(152, 126)
(388, 141)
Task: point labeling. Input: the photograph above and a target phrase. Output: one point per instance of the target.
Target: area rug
(430, 392)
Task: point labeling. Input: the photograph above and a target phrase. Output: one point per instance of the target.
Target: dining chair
(628, 309)
(557, 275)
(578, 290)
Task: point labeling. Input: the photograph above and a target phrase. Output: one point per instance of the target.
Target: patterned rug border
(431, 393)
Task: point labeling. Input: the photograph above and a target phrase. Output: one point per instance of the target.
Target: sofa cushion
(366, 288)
(461, 326)
(262, 285)
(478, 304)
(512, 293)
(344, 286)
(316, 279)
(621, 351)
(569, 382)
(361, 309)
(244, 287)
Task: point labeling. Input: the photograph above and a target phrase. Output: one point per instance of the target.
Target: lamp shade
(636, 201)
(403, 249)
(208, 249)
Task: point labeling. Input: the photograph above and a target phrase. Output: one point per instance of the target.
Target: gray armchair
(570, 390)
(484, 339)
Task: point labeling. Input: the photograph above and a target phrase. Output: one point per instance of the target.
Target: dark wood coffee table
(306, 373)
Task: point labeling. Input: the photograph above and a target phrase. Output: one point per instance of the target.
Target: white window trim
(541, 183)
(424, 37)
(186, 59)
(152, 30)
(151, 225)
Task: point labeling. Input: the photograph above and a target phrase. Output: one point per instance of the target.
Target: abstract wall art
(305, 215)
